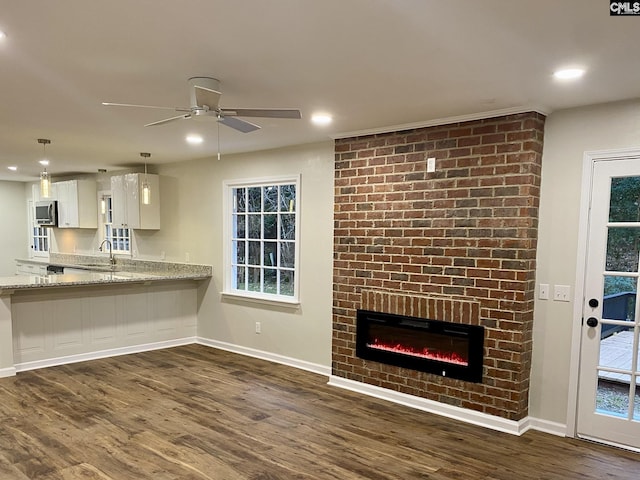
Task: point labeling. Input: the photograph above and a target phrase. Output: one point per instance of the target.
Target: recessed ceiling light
(321, 118)
(13, 168)
(194, 139)
(44, 163)
(568, 73)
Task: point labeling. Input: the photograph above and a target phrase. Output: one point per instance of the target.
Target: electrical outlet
(543, 292)
(186, 257)
(561, 293)
(258, 327)
(431, 164)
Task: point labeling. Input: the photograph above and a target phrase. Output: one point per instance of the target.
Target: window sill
(293, 303)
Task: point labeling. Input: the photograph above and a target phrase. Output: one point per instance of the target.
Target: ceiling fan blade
(167, 120)
(263, 112)
(177, 109)
(238, 124)
(208, 97)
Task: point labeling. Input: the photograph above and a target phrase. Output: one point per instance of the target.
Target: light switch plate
(562, 293)
(543, 291)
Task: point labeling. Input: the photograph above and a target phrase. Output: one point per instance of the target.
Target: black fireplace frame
(474, 333)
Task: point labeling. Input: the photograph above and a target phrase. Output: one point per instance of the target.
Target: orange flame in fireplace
(449, 357)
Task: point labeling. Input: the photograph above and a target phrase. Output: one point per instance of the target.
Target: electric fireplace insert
(442, 348)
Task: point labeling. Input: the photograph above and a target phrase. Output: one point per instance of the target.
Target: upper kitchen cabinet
(129, 211)
(77, 203)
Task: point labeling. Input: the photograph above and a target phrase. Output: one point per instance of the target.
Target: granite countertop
(99, 272)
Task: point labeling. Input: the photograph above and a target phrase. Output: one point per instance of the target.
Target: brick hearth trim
(433, 308)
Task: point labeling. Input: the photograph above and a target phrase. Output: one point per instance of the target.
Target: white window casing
(262, 239)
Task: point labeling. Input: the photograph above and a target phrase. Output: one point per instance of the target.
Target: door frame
(589, 159)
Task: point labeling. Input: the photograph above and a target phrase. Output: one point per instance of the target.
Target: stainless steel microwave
(47, 213)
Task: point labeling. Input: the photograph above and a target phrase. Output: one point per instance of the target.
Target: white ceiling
(370, 63)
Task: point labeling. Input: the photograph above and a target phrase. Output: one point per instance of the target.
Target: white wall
(568, 134)
(192, 219)
(14, 239)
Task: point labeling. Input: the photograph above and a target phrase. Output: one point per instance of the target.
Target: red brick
(400, 232)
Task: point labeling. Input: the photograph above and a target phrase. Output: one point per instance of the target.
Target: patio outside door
(609, 379)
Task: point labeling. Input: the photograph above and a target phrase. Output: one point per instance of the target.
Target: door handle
(592, 321)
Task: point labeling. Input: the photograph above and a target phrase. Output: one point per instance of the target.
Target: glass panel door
(609, 402)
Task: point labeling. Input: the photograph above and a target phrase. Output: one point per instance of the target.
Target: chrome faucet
(112, 259)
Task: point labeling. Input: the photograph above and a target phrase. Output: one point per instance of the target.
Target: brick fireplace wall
(466, 232)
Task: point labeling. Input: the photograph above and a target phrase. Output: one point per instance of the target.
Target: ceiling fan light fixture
(194, 139)
(205, 105)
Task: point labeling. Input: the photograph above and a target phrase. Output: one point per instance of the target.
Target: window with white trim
(40, 241)
(262, 238)
(39, 236)
(120, 238)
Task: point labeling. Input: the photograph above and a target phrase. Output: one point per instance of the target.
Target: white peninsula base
(46, 327)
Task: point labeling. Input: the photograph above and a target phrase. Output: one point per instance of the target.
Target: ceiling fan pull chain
(218, 123)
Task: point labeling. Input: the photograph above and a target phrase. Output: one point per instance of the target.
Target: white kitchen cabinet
(128, 211)
(30, 268)
(77, 203)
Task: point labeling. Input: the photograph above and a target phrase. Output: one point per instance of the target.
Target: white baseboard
(449, 411)
(272, 357)
(7, 372)
(457, 413)
(546, 426)
(83, 357)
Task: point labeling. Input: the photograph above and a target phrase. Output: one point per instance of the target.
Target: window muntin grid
(263, 239)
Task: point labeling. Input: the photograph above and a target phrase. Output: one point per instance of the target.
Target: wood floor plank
(196, 413)
(84, 471)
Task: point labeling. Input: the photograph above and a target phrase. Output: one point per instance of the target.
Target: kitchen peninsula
(99, 310)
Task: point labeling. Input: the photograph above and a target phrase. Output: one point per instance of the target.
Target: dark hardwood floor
(194, 413)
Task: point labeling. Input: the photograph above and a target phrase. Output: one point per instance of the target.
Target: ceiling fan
(205, 97)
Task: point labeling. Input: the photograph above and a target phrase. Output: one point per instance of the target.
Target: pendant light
(103, 198)
(146, 189)
(45, 179)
